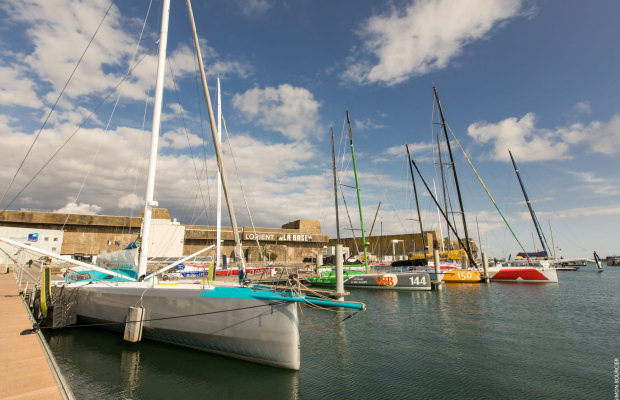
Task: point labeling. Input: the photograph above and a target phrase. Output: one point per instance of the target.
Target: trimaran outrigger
(239, 321)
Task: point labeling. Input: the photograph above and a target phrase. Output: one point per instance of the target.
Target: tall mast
(216, 144)
(218, 234)
(456, 180)
(150, 203)
(443, 186)
(415, 193)
(442, 212)
(541, 236)
(335, 188)
(357, 187)
(439, 219)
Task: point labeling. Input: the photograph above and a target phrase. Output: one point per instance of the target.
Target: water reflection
(130, 371)
(99, 364)
(467, 341)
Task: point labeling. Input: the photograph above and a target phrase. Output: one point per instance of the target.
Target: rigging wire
(344, 200)
(245, 200)
(205, 145)
(82, 124)
(49, 114)
(487, 191)
(133, 57)
(189, 145)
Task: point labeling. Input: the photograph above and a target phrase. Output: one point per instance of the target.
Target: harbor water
(468, 341)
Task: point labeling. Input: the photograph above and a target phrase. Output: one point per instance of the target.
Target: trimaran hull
(387, 281)
(221, 320)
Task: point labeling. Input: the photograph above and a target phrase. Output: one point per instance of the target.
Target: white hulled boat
(248, 323)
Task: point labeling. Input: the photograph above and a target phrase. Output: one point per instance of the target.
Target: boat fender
(45, 291)
(133, 324)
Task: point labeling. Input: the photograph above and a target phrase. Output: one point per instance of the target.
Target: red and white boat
(524, 273)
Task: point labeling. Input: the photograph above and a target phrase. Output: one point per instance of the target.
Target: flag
(109, 243)
(33, 237)
(116, 243)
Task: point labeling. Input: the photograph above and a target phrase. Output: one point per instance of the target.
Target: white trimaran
(229, 319)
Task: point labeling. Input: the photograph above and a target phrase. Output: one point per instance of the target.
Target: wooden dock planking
(24, 370)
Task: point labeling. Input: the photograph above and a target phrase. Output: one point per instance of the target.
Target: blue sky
(540, 77)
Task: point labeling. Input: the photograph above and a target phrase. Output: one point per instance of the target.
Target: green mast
(359, 201)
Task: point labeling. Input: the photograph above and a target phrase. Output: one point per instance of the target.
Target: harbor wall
(84, 236)
(402, 246)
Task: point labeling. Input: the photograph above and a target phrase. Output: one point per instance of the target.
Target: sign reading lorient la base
(277, 237)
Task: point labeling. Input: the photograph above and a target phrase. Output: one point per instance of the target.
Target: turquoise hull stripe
(229, 293)
(251, 294)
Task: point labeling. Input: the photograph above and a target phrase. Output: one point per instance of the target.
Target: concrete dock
(25, 372)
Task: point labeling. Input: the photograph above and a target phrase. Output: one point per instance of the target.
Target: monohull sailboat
(409, 280)
(528, 272)
(544, 262)
(232, 319)
(453, 271)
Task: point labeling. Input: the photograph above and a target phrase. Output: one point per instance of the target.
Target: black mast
(417, 205)
(442, 212)
(443, 187)
(541, 236)
(456, 180)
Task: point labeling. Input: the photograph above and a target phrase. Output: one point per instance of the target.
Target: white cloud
(56, 45)
(416, 148)
(534, 201)
(367, 124)
(601, 137)
(526, 142)
(180, 140)
(582, 108)
(16, 89)
(591, 183)
(292, 111)
(5, 122)
(251, 8)
(131, 201)
(424, 37)
(605, 210)
(529, 143)
(589, 177)
(268, 161)
(419, 152)
(183, 61)
(81, 208)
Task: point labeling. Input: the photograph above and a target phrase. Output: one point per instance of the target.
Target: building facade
(84, 236)
(401, 247)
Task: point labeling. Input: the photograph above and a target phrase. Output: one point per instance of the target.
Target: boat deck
(278, 284)
(24, 370)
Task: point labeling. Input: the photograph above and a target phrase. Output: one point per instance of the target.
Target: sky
(540, 77)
